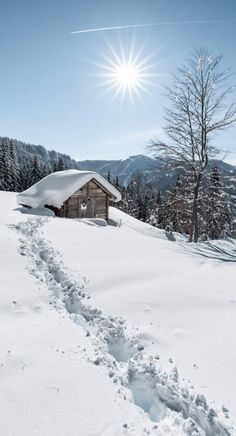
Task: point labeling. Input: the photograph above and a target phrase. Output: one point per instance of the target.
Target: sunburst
(126, 73)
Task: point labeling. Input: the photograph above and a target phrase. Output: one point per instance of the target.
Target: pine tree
(130, 200)
(153, 209)
(117, 183)
(25, 175)
(7, 167)
(3, 166)
(140, 200)
(175, 211)
(54, 166)
(59, 165)
(36, 171)
(218, 207)
(14, 168)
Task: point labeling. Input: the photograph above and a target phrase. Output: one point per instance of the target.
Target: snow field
(153, 390)
(49, 383)
(88, 362)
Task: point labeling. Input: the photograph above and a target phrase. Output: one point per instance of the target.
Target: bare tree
(200, 107)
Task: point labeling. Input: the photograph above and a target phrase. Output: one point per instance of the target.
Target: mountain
(155, 173)
(28, 151)
(125, 169)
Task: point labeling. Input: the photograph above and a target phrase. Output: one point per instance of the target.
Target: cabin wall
(91, 201)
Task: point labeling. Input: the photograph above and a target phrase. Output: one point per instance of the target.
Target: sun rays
(125, 73)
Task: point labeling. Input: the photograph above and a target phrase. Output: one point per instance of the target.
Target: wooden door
(91, 207)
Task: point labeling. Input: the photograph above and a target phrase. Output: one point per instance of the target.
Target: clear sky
(50, 79)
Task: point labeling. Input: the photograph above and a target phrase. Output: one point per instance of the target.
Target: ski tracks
(168, 403)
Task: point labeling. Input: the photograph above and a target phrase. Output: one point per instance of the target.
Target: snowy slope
(96, 322)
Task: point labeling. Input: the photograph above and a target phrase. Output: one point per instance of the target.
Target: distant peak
(138, 156)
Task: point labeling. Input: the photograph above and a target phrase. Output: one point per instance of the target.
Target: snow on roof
(57, 187)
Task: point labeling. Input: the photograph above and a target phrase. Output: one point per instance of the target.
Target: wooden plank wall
(88, 202)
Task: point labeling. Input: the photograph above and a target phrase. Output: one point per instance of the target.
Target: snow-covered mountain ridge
(105, 325)
(26, 152)
(125, 169)
(155, 173)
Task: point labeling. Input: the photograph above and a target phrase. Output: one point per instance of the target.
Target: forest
(167, 209)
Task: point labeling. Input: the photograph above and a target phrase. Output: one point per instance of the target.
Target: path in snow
(139, 376)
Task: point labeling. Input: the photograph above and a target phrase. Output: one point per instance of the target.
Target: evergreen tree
(36, 173)
(8, 169)
(175, 208)
(130, 200)
(117, 184)
(219, 213)
(153, 209)
(54, 166)
(25, 175)
(139, 199)
(3, 166)
(59, 165)
(14, 168)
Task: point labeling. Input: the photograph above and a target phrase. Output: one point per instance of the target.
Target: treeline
(172, 210)
(139, 199)
(18, 173)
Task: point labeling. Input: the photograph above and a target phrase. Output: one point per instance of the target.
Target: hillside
(125, 169)
(25, 152)
(155, 173)
(107, 329)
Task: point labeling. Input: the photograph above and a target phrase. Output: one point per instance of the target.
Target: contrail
(163, 23)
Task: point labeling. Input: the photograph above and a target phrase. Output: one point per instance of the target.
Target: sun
(126, 73)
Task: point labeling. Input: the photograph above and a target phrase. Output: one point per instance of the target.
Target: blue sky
(49, 78)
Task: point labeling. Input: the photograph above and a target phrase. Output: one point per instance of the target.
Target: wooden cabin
(72, 194)
(90, 201)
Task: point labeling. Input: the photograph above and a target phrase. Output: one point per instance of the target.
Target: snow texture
(138, 375)
(57, 187)
(91, 316)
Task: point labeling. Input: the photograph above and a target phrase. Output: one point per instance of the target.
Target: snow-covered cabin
(72, 194)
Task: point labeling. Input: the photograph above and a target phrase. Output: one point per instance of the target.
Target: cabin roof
(57, 187)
